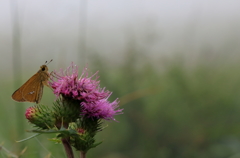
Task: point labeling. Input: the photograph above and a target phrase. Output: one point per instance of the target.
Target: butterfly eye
(43, 69)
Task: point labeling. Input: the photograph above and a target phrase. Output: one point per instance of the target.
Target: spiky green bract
(71, 124)
(87, 129)
(41, 116)
(66, 111)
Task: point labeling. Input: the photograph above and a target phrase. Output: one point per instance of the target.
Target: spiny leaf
(19, 141)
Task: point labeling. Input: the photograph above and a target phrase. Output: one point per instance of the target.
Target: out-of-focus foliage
(174, 108)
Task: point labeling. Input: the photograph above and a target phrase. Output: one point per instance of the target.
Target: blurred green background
(173, 65)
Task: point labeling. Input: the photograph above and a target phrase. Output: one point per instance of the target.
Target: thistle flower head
(40, 116)
(80, 131)
(93, 100)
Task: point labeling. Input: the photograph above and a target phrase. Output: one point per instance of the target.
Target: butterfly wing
(34, 92)
(30, 91)
(17, 95)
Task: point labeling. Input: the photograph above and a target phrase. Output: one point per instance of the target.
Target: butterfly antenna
(46, 63)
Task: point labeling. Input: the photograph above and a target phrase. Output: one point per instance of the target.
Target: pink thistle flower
(101, 109)
(84, 88)
(93, 99)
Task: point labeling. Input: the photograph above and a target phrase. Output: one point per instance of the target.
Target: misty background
(56, 29)
(173, 64)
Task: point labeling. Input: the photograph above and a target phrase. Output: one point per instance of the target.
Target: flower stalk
(67, 147)
(82, 154)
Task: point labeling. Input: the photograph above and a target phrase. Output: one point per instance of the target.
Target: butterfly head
(44, 68)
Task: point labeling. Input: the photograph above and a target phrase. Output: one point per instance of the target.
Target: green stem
(68, 148)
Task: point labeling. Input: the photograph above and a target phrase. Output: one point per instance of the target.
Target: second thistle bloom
(40, 116)
(86, 90)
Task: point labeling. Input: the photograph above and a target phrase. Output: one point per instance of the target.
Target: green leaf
(63, 131)
(96, 144)
(19, 141)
